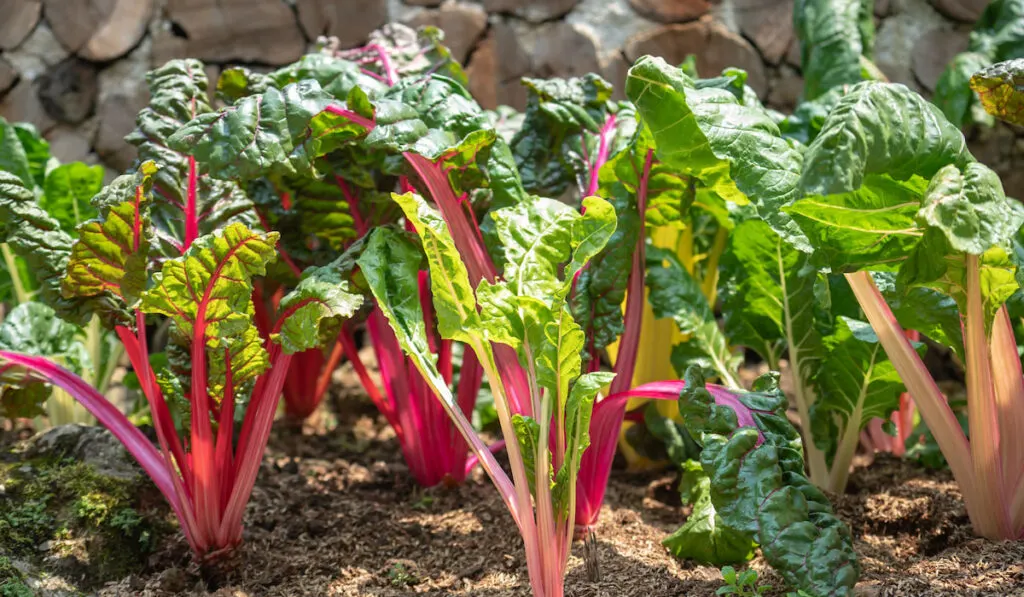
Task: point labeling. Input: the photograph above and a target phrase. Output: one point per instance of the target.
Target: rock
(351, 21)
(967, 11)
(252, 31)
(69, 144)
(786, 90)
(933, 52)
(121, 98)
(882, 8)
(68, 90)
(482, 72)
(99, 30)
(715, 47)
(21, 104)
(20, 18)
(423, 2)
(614, 68)
(768, 24)
(564, 50)
(116, 117)
(671, 11)
(37, 53)
(90, 444)
(897, 36)
(515, 63)
(793, 54)
(535, 11)
(462, 23)
(8, 76)
(613, 21)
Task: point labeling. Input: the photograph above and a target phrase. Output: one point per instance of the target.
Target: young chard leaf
(67, 191)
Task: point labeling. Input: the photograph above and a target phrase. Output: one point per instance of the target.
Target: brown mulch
(335, 513)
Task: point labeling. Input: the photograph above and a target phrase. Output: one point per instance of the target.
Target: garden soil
(335, 513)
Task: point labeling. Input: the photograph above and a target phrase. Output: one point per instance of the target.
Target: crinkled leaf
(178, 94)
(704, 537)
(735, 150)
(934, 314)
(1000, 88)
(281, 131)
(67, 191)
(412, 53)
(835, 38)
(34, 328)
(335, 75)
(314, 309)
(111, 253)
(884, 129)
(969, 208)
(754, 460)
(558, 137)
(36, 237)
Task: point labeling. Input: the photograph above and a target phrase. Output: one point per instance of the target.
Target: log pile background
(75, 68)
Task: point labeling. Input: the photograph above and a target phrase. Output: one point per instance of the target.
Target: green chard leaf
(562, 120)
(111, 254)
(33, 328)
(964, 212)
(37, 238)
(67, 191)
(209, 289)
(13, 158)
(866, 172)
(835, 42)
(758, 487)
(281, 131)
(749, 162)
(1000, 88)
(856, 381)
(705, 537)
(391, 264)
(767, 293)
(314, 310)
(674, 293)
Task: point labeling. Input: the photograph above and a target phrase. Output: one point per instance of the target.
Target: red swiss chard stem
(191, 217)
(603, 148)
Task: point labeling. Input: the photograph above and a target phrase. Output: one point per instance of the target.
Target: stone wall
(75, 68)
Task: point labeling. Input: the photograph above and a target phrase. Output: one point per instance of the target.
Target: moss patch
(11, 582)
(66, 518)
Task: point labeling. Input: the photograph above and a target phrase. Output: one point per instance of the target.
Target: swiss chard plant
(380, 118)
(775, 300)
(948, 231)
(170, 244)
(62, 193)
